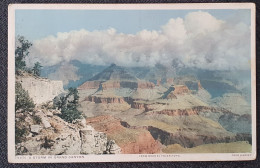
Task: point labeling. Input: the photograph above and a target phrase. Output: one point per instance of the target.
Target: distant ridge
(114, 72)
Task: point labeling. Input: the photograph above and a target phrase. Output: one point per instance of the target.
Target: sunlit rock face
(41, 90)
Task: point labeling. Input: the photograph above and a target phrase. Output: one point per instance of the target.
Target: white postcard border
(123, 157)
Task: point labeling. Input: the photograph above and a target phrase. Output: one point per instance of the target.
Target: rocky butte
(115, 77)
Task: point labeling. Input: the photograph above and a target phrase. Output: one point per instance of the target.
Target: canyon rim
(102, 83)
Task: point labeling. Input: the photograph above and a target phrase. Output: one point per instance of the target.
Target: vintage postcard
(131, 82)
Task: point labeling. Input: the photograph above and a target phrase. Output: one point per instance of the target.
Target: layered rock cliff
(115, 84)
(40, 90)
(180, 89)
(105, 100)
(188, 138)
(90, 85)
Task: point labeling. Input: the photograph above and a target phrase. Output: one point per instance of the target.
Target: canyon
(175, 112)
(130, 115)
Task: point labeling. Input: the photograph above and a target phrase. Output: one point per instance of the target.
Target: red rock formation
(143, 142)
(182, 112)
(170, 81)
(105, 123)
(178, 112)
(90, 85)
(105, 100)
(171, 96)
(110, 84)
(180, 89)
(145, 85)
(138, 105)
(158, 82)
(199, 85)
(142, 106)
(117, 84)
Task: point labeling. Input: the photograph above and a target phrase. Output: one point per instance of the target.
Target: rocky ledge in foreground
(47, 134)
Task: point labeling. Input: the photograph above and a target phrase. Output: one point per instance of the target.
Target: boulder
(35, 128)
(113, 148)
(92, 142)
(49, 114)
(46, 123)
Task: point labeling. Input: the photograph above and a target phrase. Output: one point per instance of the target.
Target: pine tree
(37, 69)
(23, 101)
(68, 105)
(21, 51)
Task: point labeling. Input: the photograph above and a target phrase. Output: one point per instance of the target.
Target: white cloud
(201, 23)
(199, 40)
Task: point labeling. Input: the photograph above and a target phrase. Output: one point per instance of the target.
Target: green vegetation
(21, 52)
(22, 100)
(20, 133)
(68, 105)
(37, 69)
(48, 143)
(23, 103)
(37, 119)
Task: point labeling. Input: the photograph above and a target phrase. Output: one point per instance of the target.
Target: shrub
(68, 105)
(36, 120)
(22, 99)
(48, 143)
(20, 133)
(70, 115)
(21, 51)
(37, 69)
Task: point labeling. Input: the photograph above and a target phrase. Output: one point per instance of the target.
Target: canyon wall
(187, 139)
(131, 141)
(180, 89)
(181, 112)
(105, 100)
(90, 85)
(145, 85)
(110, 85)
(113, 84)
(41, 90)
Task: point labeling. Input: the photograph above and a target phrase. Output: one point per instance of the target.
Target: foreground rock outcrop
(48, 134)
(41, 131)
(40, 89)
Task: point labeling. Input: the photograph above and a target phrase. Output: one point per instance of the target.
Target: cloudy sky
(206, 39)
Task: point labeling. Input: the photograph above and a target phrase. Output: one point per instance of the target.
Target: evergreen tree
(21, 51)
(37, 69)
(68, 105)
(22, 99)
